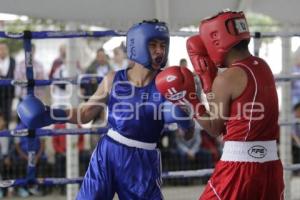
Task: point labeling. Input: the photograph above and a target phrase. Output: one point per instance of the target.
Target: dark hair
(296, 106)
(100, 49)
(242, 45)
(3, 42)
(1, 114)
(151, 21)
(182, 60)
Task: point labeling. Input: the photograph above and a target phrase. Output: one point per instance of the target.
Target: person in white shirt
(38, 73)
(7, 69)
(5, 156)
(119, 59)
(99, 67)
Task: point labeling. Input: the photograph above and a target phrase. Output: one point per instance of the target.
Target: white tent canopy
(120, 14)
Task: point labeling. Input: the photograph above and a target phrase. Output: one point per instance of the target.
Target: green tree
(31, 24)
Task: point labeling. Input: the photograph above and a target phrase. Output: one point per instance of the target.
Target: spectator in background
(38, 73)
(119, 59)
(21, 145)
(99, 67)
(296, 83)
(58, 71)
(191, 155)
(296, 135)
(58, 62)
(59, 145)
(60, 93)
(212, 144)
(7, 70)
(5, 154)
(183, 62)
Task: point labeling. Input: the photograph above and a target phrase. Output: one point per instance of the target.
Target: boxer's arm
(96, 104)
(173, 114)
(34, 114)
(226, 87)
(219, 99)
(203, 65)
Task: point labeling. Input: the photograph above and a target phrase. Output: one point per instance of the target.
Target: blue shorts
(132, 173)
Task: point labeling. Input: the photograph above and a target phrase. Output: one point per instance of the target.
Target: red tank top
(254, 114)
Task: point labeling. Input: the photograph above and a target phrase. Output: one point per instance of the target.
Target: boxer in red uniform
(243, 108)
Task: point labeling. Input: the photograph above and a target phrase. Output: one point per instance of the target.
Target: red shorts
(245, 181)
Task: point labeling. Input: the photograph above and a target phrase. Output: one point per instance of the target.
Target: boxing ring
(283, 80)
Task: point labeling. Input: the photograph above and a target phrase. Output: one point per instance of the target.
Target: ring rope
(52, 132)
(27, 36)
(98, 79)
(60, 34)
(38, 82)
(62, 181)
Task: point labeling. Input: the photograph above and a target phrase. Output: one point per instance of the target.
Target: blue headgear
(138, 37)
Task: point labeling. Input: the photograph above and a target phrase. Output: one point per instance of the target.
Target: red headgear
(223, 31)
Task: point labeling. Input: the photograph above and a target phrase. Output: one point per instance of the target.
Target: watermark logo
(257, 151)
(176, 96)
(31, 158)
(132, 48)
(14, 35)
(161, 28)
(171, 78)
(130, 103)
(241, 25)
(6, 183)
(28, 55)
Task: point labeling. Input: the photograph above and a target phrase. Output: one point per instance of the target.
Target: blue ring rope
(52, 132)
(62, 34)
(63, 181)
(30, 178)
(75, 81)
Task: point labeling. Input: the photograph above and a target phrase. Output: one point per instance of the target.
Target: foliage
(32, 24)
(262, 23)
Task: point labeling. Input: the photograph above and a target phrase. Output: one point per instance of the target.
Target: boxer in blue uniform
(126, 160)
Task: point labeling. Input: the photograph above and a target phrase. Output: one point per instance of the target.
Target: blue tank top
(133, 111)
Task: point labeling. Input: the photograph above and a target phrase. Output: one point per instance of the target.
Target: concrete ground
(174, 193)
(170, 192)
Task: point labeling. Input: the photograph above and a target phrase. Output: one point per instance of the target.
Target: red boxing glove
(177, 85)
(203, 65)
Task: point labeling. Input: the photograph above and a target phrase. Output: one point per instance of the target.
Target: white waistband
(256, 151)
(130, 142)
